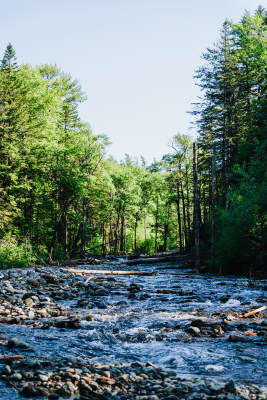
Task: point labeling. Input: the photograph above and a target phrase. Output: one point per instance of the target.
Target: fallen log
(166, 254)
(159, 255)
(179, 266)
(74, 263)
(8, 358)
(152, 260)
(106, 272)
(254, 312)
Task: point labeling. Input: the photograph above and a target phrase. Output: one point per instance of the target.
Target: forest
(62, 197)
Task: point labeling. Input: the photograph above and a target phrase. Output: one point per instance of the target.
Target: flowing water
(153, 328)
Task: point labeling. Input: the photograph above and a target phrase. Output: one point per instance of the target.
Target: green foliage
(14, 253)
(242, 230)
(232, 115)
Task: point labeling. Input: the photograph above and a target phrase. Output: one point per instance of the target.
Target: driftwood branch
(106, 272)
(255, 311)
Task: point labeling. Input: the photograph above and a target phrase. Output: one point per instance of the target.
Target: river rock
(194, 330)
(30, 392)
(236, 338)
(230, 387)
(16, 377)
(28, 301)
(199, 323)
(33, 282)
(43, 377)
(6, 370)
(16, 343)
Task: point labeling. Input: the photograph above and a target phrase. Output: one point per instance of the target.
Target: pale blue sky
(135, 59)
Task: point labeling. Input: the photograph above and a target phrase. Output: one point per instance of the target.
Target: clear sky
(135, 59)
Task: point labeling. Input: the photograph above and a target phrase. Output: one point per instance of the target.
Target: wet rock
(236, 338)
(224, 299)
(6, 370)
(49, 278)
(194, 330)
(199, 323)
(16, 377)
(30, 392)
(102, 305)
(43, 377)
(94, 385)
(144, 296)
(82, 302)
(122, 303)
(68, 324)
(101, 292)
(19, 344)
(66, 390)
(230, 387)
(217, 329)
(34, 364)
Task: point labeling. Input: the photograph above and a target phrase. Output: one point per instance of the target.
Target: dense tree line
(232, 126)
(62, 197)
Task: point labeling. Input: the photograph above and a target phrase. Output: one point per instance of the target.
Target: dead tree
(213, 204)
(196, 209)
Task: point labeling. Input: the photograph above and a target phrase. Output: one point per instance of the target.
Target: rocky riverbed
(170, 336)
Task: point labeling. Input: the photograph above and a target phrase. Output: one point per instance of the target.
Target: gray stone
(16, 343)
(198, 323)
(32, 363)
(33, 282)
(193, 330)
(42, 377)
(29, 391)
(230, 387)
(236, 338)
(6, 370)
(16, 377)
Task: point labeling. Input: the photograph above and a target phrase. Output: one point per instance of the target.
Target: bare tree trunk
(166, 231)
(199, 199)
(117, 230)
(122, 230)
(183, 204)
(104, 249)
(145, 231)
(205, 214)
(156, 226)
(179, 215)
(74, 248)
(188, 202)
(83, 229)
(196, 209)
(54, 237)
(213, 200)
(66, 234)
(135, 233)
